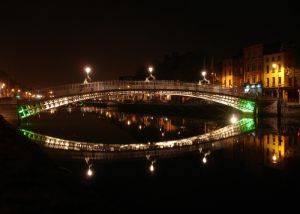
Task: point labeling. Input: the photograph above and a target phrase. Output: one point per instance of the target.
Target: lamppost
(87, 70)
(151, 76)
(203, 73)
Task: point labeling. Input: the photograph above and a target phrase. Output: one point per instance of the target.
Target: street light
(87, 70)
(203, 73)
(150, 69)
(151, 76)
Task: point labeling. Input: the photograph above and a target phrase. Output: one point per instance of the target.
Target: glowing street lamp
(87, 70)
(150, 69)
(203, 73)
(151, 76)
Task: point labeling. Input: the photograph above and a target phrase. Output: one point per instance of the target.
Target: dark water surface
(263, 164)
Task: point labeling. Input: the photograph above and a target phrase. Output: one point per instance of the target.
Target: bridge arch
(162, 148)
(68, 94)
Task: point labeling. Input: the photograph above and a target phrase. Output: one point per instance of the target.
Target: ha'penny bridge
(72, 93)
(99, 151)
(54, 97)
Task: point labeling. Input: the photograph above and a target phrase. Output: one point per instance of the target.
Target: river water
(258, 164)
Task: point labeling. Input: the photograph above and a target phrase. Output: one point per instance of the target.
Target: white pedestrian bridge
(54, 97)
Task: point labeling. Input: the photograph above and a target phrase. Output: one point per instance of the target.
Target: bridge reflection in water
(80, 150)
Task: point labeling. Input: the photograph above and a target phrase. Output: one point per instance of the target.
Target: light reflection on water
(251, 163)
(267, 146)
(108, 125)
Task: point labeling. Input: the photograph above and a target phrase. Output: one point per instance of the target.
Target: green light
(246, 124)
(17, 97)
(246, 105)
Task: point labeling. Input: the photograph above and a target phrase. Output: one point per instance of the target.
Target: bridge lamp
(203, 74)
(87, 70)
(150, 69)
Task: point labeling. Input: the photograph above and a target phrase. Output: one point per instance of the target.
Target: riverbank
(33, 183)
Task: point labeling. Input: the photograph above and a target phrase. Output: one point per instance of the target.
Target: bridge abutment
(268, 107)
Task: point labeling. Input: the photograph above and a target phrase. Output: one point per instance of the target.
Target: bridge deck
(64, 95)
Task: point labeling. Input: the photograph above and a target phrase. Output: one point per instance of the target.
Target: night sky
(48, 44)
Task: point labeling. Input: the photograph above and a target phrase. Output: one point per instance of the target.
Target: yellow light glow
(128, 122)
(274, 65)
(204, 160)
(274, 158)
(203, 73)
(140, 127)
(150, 69)
(19, 90)
(87, 69)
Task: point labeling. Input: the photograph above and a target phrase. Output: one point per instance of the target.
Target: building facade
(281, 75)
(233, 72)
(253, 64)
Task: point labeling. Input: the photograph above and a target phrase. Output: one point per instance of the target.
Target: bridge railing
(115, 85)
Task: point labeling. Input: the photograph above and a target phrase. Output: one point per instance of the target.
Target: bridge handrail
(79, 88)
